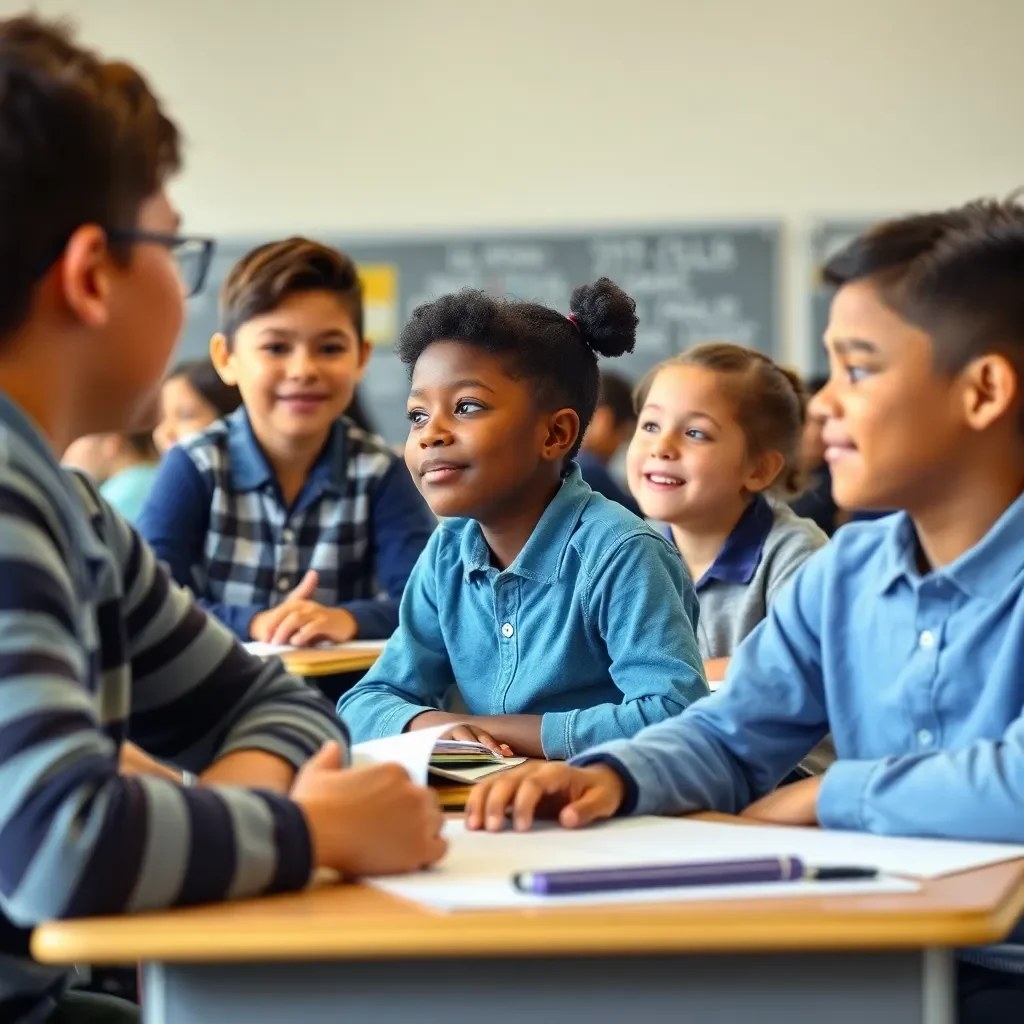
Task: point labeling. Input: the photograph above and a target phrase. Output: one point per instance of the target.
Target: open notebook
(422, 753)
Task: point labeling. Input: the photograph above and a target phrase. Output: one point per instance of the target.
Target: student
(193, 397)
(903, 635)
(718, 430)
(287, 521)
(97, 644)
(816, 502)
(124, 466)
(561, 618)
(611, 427)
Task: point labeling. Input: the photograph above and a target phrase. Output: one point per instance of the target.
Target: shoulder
(608, 533)
(208, 450)
(792, 536)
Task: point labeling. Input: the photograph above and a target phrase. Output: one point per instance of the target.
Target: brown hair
(770, 402)
(203, 379)
(262, 279)
(143, 445)
(81, 142)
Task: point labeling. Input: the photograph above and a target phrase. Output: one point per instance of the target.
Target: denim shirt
(591, 627)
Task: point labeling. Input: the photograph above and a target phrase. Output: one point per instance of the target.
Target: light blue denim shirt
(592, 627)
(920, 678)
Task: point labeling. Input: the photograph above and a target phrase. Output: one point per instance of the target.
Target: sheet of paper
(476, 773)
(262, 650)
(411, 750)
(477, 872)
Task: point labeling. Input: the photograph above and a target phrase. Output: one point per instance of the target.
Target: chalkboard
(691, 283)
(827, 238)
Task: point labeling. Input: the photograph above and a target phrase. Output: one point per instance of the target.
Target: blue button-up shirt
(591, 627)
(215, 515)
(918, 676)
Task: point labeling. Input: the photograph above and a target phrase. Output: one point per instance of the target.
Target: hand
(367, 821)
(795, 804)
(464, 729)
(303, 623)
(578, 796)
(261, 626)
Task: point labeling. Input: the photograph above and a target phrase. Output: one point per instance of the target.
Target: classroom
(511, 510)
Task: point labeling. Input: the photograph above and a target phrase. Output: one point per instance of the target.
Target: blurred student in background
(124, 466)
(611, 428)
(193, 397)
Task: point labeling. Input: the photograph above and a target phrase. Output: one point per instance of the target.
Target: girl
(561, 618)
(192, 398)
(719, 428)
(124, 466)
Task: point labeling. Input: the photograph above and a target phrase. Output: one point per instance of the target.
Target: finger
(463, 733)
(327, 758)
(312, 632)
(488, 741)
(306, 588)
(524, 805)
(590, 806)
(498, 801)
(475, 804)
(273, 619)
(289, 624)
(506, 750)
(436, 849)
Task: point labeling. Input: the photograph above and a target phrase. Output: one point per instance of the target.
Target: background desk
(351, 954)
(313, 661)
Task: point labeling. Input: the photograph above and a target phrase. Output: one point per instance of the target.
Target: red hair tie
(572, 319)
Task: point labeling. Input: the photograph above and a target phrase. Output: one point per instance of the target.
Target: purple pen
(668, 876)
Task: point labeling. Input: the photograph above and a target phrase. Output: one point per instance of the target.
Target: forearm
(134, 761)
(252, 768)
(520, 732)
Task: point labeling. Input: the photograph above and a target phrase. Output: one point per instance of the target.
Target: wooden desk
(349, 953)
(311, 662)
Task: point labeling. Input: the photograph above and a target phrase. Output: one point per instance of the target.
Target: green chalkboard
(691, 283)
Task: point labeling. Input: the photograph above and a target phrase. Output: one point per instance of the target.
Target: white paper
(476, 773)
(477, 872)
(411, 750)
(262, 650)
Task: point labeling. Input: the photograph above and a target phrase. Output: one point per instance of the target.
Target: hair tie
(572, 319)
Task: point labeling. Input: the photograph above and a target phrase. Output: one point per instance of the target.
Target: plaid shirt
(215, 515)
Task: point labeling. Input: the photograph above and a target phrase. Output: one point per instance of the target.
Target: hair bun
(605, 316)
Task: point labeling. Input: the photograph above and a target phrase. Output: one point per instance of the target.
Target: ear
(365, 351)
(763, 471)
(223, 359)
(563, 427)
(992, 390)
(85, 276)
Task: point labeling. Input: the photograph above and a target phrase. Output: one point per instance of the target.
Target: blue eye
(856, 373)
(648, 427)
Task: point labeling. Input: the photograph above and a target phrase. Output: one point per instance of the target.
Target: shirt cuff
(394, 723)
(556, 734)
(641, 777)
(841, 796)
(630, 795)
(294, 844)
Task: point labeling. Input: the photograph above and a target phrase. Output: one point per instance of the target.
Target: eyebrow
(844, 346)
(467, 382)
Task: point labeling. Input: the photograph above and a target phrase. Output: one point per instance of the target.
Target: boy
(904, 635)
(612, 426)
(96, 644)
(285, 519)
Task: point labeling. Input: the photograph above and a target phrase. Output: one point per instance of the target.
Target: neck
(506, 535)
(291, 459)
(700, 543)
(45, 396)
(967, 511)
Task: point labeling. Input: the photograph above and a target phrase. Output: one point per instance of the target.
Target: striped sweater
(97, 646)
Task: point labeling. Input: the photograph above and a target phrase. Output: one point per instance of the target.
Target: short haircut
(204, 380)
(143, 445)
(615, 392)
(555, 353)
(958, 275)
(769, 400)
(81, 142)
(262, 279)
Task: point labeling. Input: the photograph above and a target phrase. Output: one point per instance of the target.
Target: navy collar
(986, 570)
(740, 555)
(249, 470)
(542, 556)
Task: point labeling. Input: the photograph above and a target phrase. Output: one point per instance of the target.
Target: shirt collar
(542, 556)
(21, 439)
(740, 555)
(248, 468)
(985, 570)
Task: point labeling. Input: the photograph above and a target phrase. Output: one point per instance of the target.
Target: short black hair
(201, 376)
(267, 275)
(556, 353)
(615, 392)
(82, 141)
(957, 274)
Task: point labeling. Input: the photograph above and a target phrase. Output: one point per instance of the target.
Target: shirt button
(282, 583)
(287, 536)
(924, 737)
(927, 639)
(507, 630)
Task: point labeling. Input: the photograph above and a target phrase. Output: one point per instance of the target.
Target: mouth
(663, 481)
(837, 451)
(434, 471)
(303, 401)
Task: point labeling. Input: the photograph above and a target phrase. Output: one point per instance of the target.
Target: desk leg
(898, 988)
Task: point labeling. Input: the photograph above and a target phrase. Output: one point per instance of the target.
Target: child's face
(476, 439)
(183, 412)
(296, 367)
(893, 428)
(604, 437)
(688, 462)
(93, 454)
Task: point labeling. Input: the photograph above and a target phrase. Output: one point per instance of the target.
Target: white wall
(416, 114)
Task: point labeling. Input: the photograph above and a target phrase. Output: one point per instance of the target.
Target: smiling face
(296, 367)
(477, 441)
(689, 463)
(893, 427)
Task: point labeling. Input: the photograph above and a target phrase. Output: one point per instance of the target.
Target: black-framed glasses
(192, 254)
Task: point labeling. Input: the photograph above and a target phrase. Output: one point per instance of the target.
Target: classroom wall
(435, 114)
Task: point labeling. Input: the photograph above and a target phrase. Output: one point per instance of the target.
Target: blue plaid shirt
(215, 515)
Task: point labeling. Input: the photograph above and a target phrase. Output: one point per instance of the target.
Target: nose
(301, 365)
(664, 447)
(822, 404)
(435, 433)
